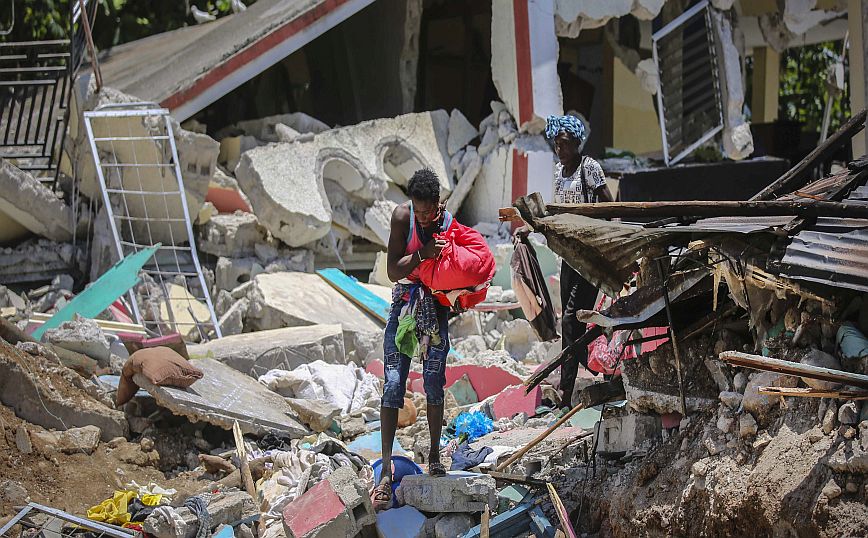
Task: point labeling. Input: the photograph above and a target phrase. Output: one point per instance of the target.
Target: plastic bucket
(401, 466)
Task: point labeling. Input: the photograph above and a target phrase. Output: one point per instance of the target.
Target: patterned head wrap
(570, 124)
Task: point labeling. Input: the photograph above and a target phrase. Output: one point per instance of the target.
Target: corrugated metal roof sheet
(836, 259)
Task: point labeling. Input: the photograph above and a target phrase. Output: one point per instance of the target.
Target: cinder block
(455, 492)
(627, 432)
(338, 507)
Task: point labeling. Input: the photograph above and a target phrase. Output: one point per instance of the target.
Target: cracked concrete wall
(524, 62)
(737, 138)
(573, 16)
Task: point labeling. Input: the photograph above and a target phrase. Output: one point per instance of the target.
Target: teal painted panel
(102, 293)
(355, 292)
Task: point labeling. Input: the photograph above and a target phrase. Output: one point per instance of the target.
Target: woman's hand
(432, 248)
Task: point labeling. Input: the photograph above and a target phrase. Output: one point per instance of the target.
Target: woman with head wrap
(578, 180)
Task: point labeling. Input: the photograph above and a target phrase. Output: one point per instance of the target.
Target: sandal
(381, 497)
(436, 469)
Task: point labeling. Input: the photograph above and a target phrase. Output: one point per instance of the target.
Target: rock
(725, 422)
(823, 360)
(699, 469)
(82, 335)
(829, 419)
(848, 413)
(747, 426)
(22, 440)
(762, 406)
(739, 382)
(288, 348)
(471, 346)
(714, 446)
(461, 132)
(232, 235)
(831, 490)
(295, 299)
(453, 525)
(762, 441)
(456, 492)
(317, 414)
(13, 493)
(407, 415)
(518, 337)
(731, 399)
(146, 444)
(72, 441)
(232, 321)
(851, 487)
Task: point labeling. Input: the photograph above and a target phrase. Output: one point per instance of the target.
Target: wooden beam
(539, 438)
(797, 176)
(802, 392)
(767, 364)
(709, 208)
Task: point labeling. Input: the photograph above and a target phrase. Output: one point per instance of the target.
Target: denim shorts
(398, 365)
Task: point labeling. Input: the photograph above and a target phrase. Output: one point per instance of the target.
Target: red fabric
(605, 355)
(465, 261)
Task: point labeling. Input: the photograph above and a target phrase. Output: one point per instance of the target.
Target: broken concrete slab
(512, 401)
(225, 395)
(341, 171)
(232, 321)
(317, 414)
(378, 218)
(274, 194)
(37, 261)
(338, 506)
(223, 508)
(285, 349)
(297, 299)
(233, 235)
(461, 132)
(45, 393)
(266, 128)
(82, 335)
(470, 170)
(187, 311)
(31, 204)
(455, 492)
(761, 406)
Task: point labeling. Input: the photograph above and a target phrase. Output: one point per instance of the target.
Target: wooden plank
(803, 392)
(355, 292)
(484, 528)
(561, 511)
(39, 318)
(767, 364)
(708, 208)
(796, 176)
(102, 293)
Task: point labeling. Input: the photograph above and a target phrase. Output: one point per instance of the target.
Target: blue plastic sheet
(474, 424)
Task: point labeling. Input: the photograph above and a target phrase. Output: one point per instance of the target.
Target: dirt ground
(75, 482)
(775, 485)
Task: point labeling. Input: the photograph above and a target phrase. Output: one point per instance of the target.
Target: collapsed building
(200, 186)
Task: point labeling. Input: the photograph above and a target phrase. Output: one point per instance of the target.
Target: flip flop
(436, 469)
(381, 497)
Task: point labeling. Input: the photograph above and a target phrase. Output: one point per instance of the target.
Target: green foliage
(803, 92)
(117, 21)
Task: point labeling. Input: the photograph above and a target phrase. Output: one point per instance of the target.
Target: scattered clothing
(199, 506)
(465, 458)
(531, 290)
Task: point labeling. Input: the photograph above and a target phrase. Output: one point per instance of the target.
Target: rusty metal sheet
(835, 259)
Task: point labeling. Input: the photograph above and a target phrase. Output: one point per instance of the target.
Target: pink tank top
(414, 242)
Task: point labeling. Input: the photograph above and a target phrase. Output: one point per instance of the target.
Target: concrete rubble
(273, 430)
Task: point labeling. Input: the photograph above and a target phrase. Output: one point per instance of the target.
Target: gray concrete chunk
(284, 349)
(456, 492)
(28, 202)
